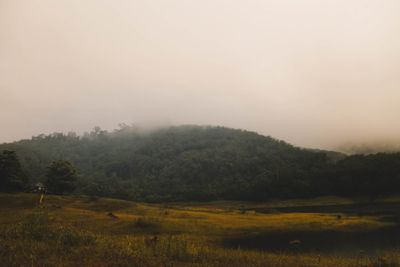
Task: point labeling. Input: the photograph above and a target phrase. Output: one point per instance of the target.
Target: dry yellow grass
(77, 231)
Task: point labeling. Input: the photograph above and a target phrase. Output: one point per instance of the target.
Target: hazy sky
(312, 72)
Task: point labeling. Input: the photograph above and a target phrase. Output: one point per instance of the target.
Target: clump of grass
(146, 225)
(145, 222)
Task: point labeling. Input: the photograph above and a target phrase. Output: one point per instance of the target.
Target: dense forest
(201, 163)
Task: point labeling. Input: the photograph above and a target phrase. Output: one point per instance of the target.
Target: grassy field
(84, 231)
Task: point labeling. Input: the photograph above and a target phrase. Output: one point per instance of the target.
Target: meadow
(89, 231)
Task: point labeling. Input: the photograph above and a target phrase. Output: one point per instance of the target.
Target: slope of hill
(175, 163)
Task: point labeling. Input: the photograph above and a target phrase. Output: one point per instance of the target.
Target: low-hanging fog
(314, 73)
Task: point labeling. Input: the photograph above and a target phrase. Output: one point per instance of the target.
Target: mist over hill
(191, 162)
(173, 163)
(372, 147)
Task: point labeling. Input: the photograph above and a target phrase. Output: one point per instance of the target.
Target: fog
(313, 73)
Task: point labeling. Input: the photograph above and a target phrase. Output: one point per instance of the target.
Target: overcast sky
(313, 73)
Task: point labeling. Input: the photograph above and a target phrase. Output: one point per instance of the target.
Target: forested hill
(175, 163)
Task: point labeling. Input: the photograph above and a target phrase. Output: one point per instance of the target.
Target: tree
(12, 177)
(61, 177)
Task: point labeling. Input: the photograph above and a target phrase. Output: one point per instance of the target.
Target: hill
(176, 163)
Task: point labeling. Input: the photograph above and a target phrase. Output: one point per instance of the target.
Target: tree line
(197, 163)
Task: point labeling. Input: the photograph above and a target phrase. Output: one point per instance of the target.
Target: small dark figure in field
(339, 217)
(112, 215)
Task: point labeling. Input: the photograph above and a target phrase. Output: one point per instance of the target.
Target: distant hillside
(366, 148)
(175, 163)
